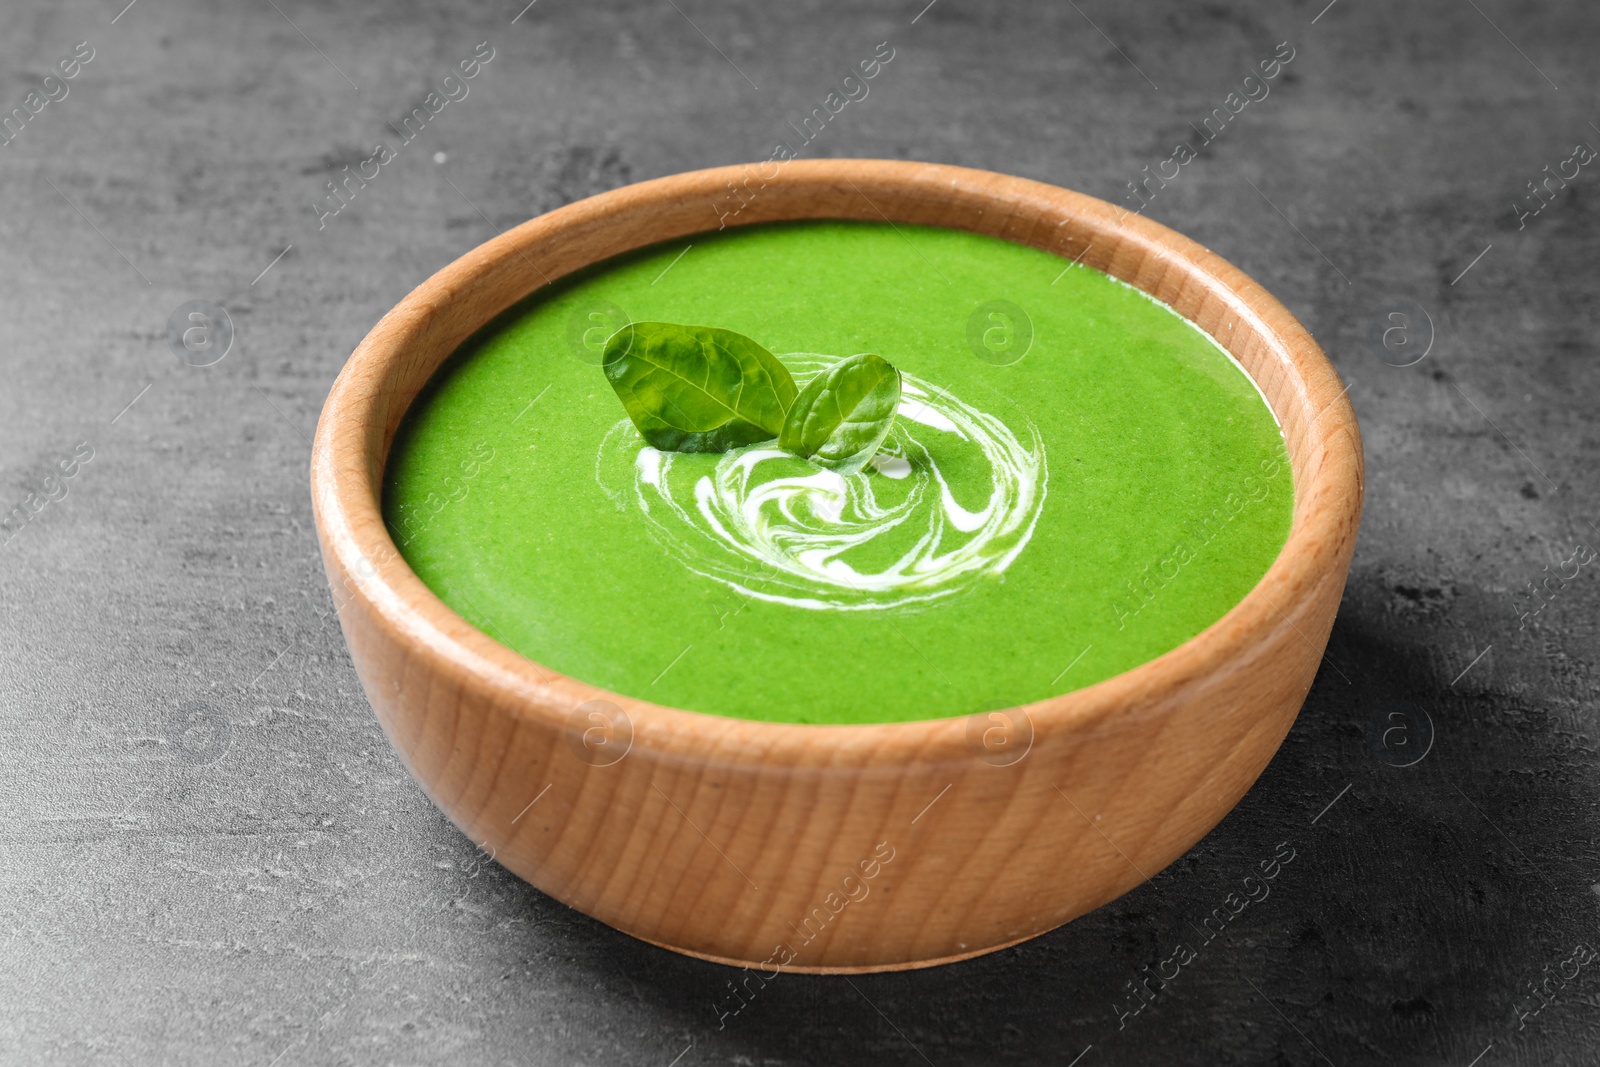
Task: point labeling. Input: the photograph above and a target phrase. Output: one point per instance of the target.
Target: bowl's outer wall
(835, 848)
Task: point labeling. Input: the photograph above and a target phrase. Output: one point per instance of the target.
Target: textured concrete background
(208, 853)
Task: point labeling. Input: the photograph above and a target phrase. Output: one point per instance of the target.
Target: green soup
(1078, 480)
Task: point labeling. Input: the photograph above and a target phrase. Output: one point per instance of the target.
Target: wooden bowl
(834, 848)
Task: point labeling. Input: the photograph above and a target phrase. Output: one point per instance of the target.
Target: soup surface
(1078, 481)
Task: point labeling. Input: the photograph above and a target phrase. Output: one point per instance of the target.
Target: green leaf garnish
(704, 389)
(843, 415)
(697, 388)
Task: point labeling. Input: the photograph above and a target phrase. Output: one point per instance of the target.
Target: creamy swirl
(781, 529)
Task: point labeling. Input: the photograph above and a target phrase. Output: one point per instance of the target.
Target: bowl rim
(346, 483)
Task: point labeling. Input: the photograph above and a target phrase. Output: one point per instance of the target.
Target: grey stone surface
(209, 854)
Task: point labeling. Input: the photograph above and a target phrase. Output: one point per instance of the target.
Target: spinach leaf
(697, 388)
(843, 415)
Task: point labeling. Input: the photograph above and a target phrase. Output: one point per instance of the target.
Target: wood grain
(751, 842)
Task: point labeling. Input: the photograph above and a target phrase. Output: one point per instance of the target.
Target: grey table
(210, 854)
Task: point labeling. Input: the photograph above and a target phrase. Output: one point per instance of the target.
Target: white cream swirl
(780, 529)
